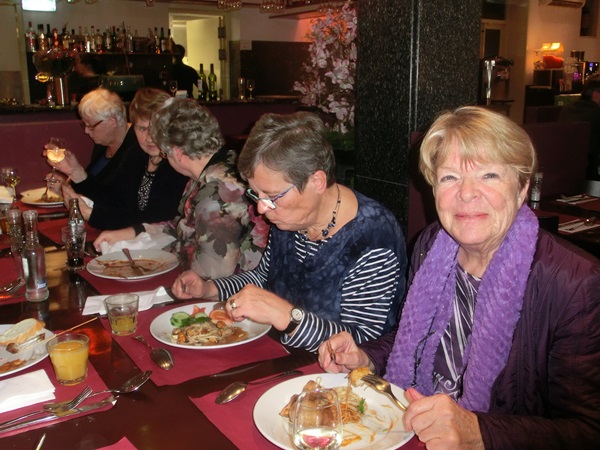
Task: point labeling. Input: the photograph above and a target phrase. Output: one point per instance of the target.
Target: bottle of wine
(170, 43)
(34, 260)
(42, 43)
(163, 41)
(31, 39)
(212, 84)
(75, 216)
(202, 87)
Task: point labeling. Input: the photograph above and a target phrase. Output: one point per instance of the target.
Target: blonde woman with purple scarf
(498, 344)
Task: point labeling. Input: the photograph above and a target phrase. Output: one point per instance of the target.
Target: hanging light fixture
(272, 6)
(229, 5)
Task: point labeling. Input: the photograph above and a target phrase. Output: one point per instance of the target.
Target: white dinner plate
(161, 328)
(381, 427)
(31, 355)
(33, 197)
(169, 262)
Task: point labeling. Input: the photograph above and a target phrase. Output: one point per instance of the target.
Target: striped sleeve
(230, 285)
(367, 295)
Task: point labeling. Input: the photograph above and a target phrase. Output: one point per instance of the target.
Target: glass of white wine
(173, 87)
(11, 179)
(250, 86)
(318, 420)
(55, 152)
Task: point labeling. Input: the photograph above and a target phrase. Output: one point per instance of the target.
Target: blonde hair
(480, 135)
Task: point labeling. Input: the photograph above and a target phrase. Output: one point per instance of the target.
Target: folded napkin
(576, 226)
(123, 444)
(5, 195)
(577, 199)
(143, 241)
(25, 390)
(95, 303)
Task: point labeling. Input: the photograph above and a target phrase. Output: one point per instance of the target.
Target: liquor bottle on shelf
(66, 39)
(170, 43)
(31, 39)
(212, 84)
(75, 216)
(163, 41)
(156, 41)
(34, 260)
(151, 46)
(202, 87)
(99, 40)
(129, 47)
(42, 43)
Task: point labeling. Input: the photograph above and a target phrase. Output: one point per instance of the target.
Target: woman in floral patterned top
(216, 230)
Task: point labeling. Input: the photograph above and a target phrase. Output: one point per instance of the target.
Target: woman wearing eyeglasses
(104, 119)
(216, 232)
(145, 187)
(335, 260)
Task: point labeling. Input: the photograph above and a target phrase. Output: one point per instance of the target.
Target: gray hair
(102, 104)
(184, 124)
(480, 135)
(295, 145)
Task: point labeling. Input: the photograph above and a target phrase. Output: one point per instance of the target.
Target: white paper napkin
(143, 241)
(25, 390)
(87, 201)
(95, 303)
(577, 199)
(5, 195)
(575, 226)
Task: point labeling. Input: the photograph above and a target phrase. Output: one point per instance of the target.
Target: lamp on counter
(229, 5)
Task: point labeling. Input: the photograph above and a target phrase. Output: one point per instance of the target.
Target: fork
(384, 387)
(59, 408)
(587, 222)
(71, 403)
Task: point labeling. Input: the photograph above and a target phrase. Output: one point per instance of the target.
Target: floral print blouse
(218, 233)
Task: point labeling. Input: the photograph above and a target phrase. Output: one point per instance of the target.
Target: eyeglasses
(269, 201)
(91, 127)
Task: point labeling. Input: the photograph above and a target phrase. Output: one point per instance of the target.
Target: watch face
(297, 314)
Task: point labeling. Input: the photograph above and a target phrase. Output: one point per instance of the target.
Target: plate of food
(15, 362)
(204, 327)
(35, 197)
(115, 266)
(371, 419)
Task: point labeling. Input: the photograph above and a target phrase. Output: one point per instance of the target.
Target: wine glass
(173, 87)
(10, 178)
(318, 420)
(250, 87)
(55, 152)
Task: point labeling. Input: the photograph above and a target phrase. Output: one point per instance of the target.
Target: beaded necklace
(331, 224)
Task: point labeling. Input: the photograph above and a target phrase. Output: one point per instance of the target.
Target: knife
(82, 409)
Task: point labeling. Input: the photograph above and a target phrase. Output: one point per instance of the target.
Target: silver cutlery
(70, 404)
(7, 287)
(137, 270)
(584, 223)
(383, 386)
(54, 415)
(161, 356)
(16, 348)
(40, 442)
(235, 389)
(58, 410)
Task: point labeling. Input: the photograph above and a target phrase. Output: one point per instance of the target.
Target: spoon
(131, 385)
(161, 356)
(587, 222)
(10, 285)
(235, 389)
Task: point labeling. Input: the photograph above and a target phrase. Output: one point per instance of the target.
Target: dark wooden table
(152, 418)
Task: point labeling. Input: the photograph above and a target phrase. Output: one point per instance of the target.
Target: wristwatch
(296, 316)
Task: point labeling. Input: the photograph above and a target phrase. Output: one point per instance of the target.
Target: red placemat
(61, 393)
(106, 286)
(235, 419)
(51, 229)
(189, 363)
(123, 444)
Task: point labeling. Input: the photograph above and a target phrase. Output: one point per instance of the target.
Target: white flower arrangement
(328, 81)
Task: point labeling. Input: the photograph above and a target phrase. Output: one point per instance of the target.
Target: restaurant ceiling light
(229, 5)
(272, 6)
(39, 5)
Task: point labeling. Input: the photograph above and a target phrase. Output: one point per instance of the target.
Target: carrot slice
(197, 310)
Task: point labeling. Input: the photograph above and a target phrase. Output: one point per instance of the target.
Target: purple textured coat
(548, 395)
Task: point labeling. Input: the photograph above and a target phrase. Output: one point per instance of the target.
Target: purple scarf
(428, 309)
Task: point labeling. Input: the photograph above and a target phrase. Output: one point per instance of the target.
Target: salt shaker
(536, 187)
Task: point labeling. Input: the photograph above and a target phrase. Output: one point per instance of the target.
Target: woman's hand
(260, 306)
(68, 193)
(70, 167)
(440, 423)
(55, 184)
(347, 354)
(112, 236)
(190, 285)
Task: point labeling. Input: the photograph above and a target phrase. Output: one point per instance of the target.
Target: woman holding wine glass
(146, 188)
(104, 119)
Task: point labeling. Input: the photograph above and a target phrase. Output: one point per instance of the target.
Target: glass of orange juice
(122, 311)
(69, 356)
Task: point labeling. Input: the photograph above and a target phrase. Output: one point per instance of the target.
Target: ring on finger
(232, 304)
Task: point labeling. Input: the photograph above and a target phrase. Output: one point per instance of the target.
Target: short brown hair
(146, 101)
